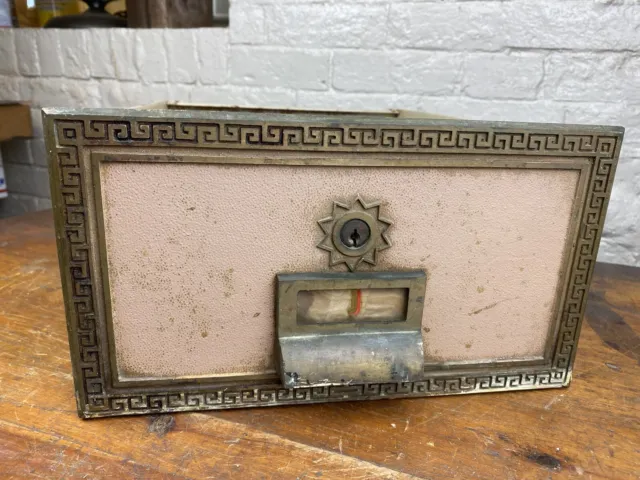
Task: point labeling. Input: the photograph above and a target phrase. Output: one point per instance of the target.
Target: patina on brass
(79, 139)
(337, 239)
(350, 352)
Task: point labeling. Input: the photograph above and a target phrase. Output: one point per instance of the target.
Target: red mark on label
(356, 302)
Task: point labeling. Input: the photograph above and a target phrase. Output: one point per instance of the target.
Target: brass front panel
(78, 140)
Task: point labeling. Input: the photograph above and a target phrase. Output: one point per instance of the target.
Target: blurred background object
(5, 14)
(178, 13)
(544, 61)
(37, 13)
(26, 13)
(48, 9)
(96, 16)
(15, 121)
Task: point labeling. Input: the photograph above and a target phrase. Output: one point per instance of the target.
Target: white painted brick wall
(100, 59)
(151, 55)
(122, 54)
(402, 71)
(279, 67)
(49, 52)
(27, 53)
(498, 75)
(182, 56)
(8, 62)
(212, 47)
(324, 25)
(575, 61)
(248, 26)
(75, 53)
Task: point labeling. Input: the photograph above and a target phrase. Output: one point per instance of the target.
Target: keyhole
(355, 233)
(355, 237)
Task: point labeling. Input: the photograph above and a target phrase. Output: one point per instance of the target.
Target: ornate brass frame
(80, 138)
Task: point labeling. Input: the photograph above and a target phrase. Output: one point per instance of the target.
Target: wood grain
(590, 430)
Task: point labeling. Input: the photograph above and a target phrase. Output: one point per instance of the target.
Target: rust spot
(204, 334)
(227, 283)
(467, 345)
(161, 424)
(480, 289)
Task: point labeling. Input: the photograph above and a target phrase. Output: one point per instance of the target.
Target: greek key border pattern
(329, 138)
(72, 136)
(255, 397)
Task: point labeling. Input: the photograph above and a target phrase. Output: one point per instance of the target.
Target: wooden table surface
(590, 430)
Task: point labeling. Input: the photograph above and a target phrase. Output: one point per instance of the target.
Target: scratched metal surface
(589, 430)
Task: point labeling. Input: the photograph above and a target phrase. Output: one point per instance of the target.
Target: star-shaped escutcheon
(355, 233)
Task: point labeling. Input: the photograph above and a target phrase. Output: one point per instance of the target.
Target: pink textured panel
(193, 250)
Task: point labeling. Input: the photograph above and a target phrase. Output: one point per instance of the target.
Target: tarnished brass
(334, 229)
(78, 140)
(350, 352)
